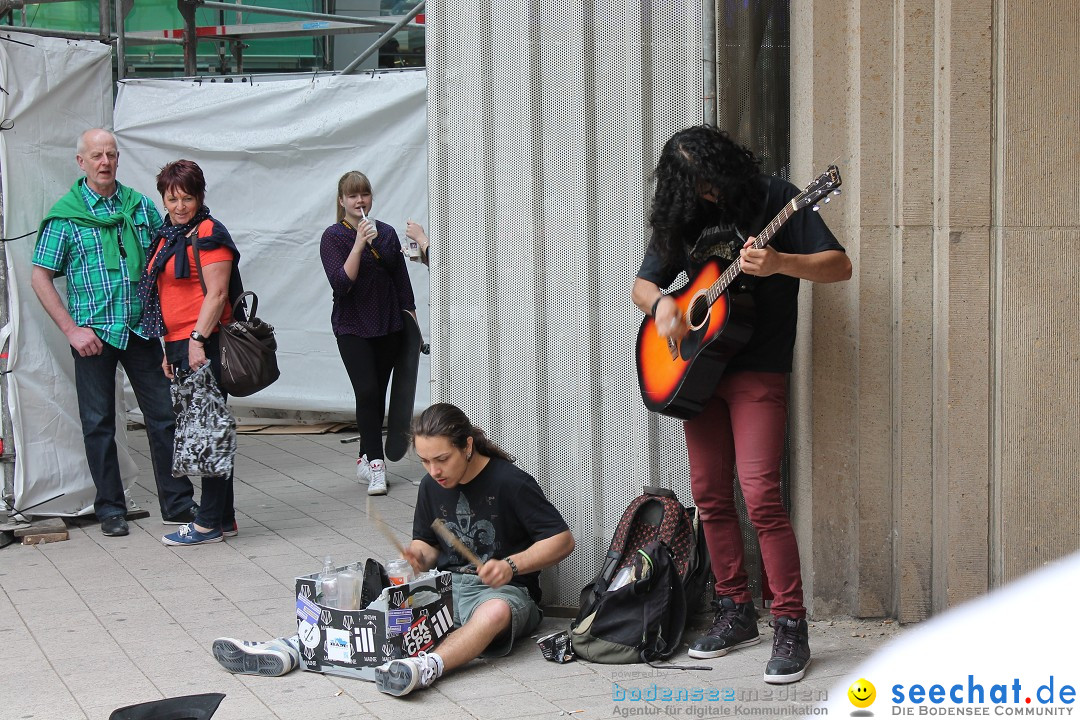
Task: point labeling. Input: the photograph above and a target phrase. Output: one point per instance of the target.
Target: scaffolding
(231, 38)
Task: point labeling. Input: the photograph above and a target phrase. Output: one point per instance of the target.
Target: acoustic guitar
(679, 378)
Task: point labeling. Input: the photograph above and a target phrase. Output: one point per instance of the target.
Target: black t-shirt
(500, 512)
(775, 297)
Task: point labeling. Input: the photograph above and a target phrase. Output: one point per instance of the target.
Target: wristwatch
(199, 338)
(513, 567)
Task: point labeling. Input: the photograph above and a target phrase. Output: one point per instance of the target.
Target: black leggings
(369, 362)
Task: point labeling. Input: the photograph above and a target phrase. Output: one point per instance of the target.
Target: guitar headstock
(823, 186)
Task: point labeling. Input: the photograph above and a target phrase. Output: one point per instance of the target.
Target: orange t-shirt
(182, 298)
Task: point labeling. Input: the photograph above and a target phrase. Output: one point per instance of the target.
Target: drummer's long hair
(448, 421)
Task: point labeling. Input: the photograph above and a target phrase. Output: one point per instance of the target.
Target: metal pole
(6, 5)
(7, 498)
(708, 51)
(294, 13)
(103, 19)
(328, 6)
(187, 12)
(351, 67)
(121, 61)
(75, 35)
(238, 56)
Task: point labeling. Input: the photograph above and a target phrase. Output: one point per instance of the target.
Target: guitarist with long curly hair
(711, 200)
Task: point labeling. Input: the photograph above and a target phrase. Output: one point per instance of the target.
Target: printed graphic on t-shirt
(475, 529)
(719, 241)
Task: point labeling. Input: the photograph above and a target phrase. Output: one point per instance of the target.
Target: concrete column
(1036, 329)
(892, 430)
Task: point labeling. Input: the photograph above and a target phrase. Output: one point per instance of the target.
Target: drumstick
(384, 528)
(448, 535)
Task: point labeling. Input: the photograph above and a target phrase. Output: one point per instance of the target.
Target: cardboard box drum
(404, 620)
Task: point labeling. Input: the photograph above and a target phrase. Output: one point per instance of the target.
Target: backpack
(636, 607)
(639, 621)
(657, 514)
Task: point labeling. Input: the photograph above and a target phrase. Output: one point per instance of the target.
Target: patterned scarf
(173, 241)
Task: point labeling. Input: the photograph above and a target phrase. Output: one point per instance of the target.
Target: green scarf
(72, 206)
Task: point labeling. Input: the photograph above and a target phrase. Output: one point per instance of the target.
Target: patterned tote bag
(205, 440)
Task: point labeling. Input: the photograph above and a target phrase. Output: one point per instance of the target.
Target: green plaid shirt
(98, 298)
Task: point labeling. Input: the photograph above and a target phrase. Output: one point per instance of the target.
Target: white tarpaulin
(53, 91)
(272, 153)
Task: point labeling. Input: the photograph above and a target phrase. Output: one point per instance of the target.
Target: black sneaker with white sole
(734, 626)
(790, 651)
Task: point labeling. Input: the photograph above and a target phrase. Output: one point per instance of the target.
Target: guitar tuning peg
(836, 191)
(815, 207)
(828, 199)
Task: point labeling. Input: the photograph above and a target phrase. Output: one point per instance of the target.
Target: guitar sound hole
(699, 312)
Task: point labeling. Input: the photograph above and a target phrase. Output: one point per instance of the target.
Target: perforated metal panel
(546, 119)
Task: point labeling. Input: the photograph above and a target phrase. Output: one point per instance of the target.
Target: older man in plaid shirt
(98, 235)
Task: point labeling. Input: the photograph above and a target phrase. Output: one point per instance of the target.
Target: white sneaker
(246, 657)
(363, 470)
(377, 484)
(401, 677)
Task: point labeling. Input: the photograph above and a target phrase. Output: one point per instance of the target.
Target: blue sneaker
(188, 535)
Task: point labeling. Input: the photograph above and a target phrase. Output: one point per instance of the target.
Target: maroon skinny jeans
(743, 426)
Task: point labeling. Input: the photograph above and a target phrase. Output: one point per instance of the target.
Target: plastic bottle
(328, 584)
(399, 571)
(350, 583)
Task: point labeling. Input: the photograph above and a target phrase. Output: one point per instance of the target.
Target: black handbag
(248, 347)
(248, 352)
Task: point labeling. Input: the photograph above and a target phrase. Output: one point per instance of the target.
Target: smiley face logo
(862, 693)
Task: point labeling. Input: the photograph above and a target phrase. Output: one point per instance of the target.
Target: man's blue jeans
(95, 384)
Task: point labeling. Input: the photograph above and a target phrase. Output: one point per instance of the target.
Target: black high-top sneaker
(790, 651)
(734, 626)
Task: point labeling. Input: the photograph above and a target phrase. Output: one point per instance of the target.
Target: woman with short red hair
(185, 298)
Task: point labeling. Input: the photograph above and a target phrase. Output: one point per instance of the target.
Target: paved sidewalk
(96, 623)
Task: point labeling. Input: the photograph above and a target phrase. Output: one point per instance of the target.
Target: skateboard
(403, 390)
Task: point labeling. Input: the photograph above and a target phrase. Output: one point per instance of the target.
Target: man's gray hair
(80, 146)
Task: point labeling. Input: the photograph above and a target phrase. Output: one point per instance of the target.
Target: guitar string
(733, 270)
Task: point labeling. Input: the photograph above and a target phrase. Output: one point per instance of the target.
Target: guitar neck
(763, 238)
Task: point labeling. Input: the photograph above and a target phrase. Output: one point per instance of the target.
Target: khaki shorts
(470, 593)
